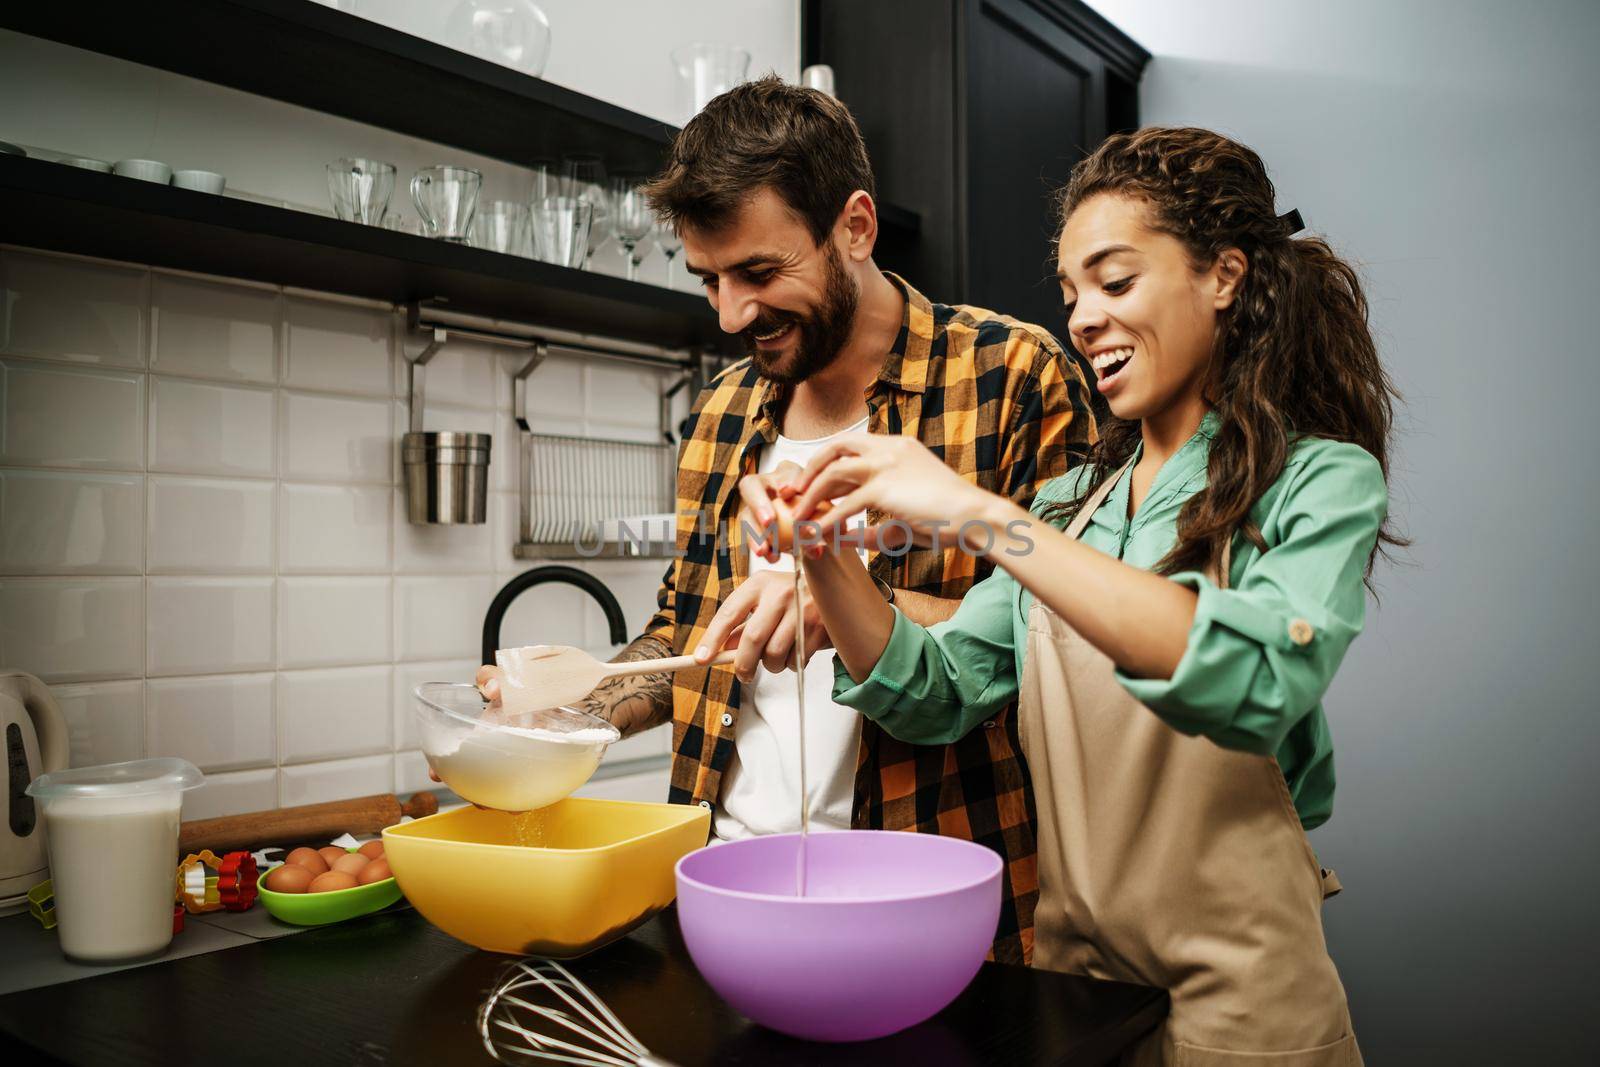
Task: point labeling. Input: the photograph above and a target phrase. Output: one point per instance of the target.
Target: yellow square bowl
(559, 881)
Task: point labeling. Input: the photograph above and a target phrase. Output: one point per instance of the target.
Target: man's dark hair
(801, 143)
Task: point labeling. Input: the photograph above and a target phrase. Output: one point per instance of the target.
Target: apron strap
(1092, 502)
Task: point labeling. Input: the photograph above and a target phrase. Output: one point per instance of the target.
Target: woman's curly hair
(1293, 353)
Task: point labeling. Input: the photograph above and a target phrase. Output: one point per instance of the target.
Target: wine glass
(671, 244)
(631, 219)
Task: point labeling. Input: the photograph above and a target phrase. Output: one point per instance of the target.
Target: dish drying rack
(583, 497)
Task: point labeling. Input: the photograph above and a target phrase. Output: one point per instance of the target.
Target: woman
(1170, 646)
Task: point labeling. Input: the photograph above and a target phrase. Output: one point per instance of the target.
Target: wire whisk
(540, 1011)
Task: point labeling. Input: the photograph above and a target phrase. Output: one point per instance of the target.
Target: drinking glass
(502, 226)
(708, 70)
(583, 177)
(631, 219)
(561, 227)
(671, 244)
(546, 180)
(360, 189)
(445, 198)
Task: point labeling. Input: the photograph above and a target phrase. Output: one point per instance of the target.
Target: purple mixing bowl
(892, 927)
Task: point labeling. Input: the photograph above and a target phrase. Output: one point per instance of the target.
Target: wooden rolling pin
(309, 822)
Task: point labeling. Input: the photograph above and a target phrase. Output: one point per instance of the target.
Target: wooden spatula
(553, 675)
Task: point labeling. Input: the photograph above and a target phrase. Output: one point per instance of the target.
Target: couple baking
(1099, 651)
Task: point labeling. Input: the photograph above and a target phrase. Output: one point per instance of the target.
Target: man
(771, 190)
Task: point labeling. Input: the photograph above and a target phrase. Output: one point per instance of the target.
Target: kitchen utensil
(113, 838)
(201, 181)
(360, 189)
(561, 226)
(544, 676)
(99, 166)
(320, 909)
(508, 760)
(9, 149)
(446, 197)
(146, 170)
(307, 822)
(34, 733)
(892, 927)
(513, 33)
(503, 226)
(447, 476)
(818, 76)
(706, 71)
(541, 1011)
(559, 881)
(631, 218)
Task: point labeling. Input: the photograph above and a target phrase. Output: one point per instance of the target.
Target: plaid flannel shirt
(1002, 404)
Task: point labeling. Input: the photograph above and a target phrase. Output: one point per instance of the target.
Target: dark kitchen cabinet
(974, 112)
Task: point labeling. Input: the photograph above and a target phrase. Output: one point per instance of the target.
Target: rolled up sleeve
(932, 685)
(1261, 655)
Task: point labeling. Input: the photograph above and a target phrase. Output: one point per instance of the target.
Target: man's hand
(758, 619)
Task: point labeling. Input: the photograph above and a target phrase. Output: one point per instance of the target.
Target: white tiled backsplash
(203, 543)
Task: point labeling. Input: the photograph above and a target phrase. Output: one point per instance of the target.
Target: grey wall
(1450, 148)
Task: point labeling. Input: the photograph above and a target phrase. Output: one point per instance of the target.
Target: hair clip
(1292, 222)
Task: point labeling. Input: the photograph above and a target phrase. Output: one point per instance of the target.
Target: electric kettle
(34, 734)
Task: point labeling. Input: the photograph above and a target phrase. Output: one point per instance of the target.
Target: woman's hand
(895, 475)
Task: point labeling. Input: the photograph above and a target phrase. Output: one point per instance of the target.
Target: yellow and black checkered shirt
(1002, 404)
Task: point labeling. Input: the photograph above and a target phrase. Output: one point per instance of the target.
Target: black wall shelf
(64, 209)
(341, 64)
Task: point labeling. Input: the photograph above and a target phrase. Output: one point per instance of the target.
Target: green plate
(320, 909)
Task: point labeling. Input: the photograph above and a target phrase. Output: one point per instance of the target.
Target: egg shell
(332, 881)
(290, 878)
(330, 853)
(310, 859)
(372, 849)
(351, 863)
(376, 871)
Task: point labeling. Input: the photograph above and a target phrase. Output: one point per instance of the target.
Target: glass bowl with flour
(507, 757)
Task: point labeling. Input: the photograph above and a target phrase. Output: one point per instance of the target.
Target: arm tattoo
(635, 703)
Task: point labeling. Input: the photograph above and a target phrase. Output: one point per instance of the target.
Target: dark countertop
(392, 989)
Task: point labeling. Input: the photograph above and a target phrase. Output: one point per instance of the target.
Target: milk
(113, 865)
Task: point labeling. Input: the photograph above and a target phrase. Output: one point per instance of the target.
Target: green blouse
(1260, 654)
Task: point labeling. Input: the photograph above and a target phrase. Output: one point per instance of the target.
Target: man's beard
(823, 333)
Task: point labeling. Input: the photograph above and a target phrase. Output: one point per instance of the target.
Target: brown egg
(310, 859)
(330, 853)
(333, 880)
(372, 849)
(351, 863)
(376, 871)
(290, 878)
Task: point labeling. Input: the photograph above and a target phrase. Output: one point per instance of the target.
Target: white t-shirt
(761, 787)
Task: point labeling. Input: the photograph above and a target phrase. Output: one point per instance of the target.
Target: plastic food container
(507, 762)
(556, 882)
(892, 927)
(320, 909)
(112, 836)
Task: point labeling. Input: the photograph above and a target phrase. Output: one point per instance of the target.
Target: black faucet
(538, 576)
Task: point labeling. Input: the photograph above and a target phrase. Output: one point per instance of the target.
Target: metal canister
(447, 477)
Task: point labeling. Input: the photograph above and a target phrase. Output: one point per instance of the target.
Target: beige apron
(1169, 861)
